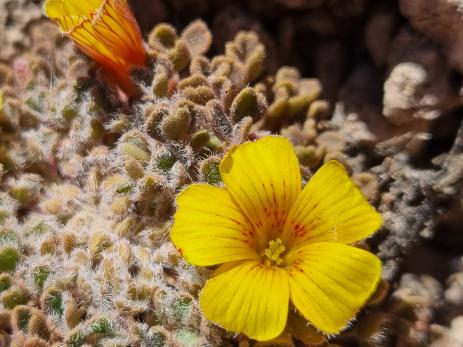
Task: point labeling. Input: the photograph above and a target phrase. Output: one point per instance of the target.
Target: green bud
(9, 258)
(98, 329)
(5, 320)
(134, 151)
(277, 108)
(13, 297)
(155, 338)
(176, 126)
(76, 339)
(165, 162)
(134, 145)
(193, 81)
(160, 84)
(38, 325)
(8, 236)
(199, 139)
(153, 118)
(182, 307)
(246, 104)
(5, 282)
(209, 171)
(40, 275)
(162, 37)
(180, 55)
(319, 110)
(101, 326)
(98, 129)
(140, 292)
(188, 338)
(309, 156)
(255, 63)
(52, 301)
(21, 316)
(73, 313)
(38, 229)
(69, 112)
(198, 95)
(134, 168)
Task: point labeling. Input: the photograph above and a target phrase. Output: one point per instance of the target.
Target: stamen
(272, 254)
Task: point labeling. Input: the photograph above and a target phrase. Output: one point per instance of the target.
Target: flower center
(272, 254)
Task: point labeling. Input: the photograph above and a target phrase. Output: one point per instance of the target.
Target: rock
(423, 290)
(419, 84)
(301, 4)
(378, 36)
(452, 337)
(359, 112)
(454, 292)
(442, 21)
(451, 175)
(330, 67)
(404, 208)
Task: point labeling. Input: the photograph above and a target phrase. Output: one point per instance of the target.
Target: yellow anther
(272, 254)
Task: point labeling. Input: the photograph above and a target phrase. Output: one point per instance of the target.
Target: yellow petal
(209, 228)
(330, 209)
(250, 298)
(60, 8)
(263, 178)
(330, 282)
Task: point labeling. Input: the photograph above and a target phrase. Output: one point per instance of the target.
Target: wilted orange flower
(105, 30)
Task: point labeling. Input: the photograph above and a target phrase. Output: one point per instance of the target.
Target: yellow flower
(105, 30)
(277, 242)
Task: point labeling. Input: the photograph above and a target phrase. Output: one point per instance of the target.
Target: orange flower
(106, 31)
